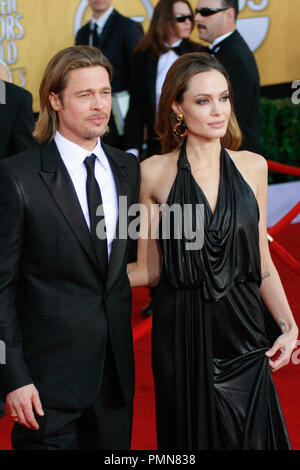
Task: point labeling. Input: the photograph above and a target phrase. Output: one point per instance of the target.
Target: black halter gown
(213, 386)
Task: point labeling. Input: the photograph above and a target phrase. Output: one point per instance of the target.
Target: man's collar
(74, 155)
(220, 39)
(102, 19)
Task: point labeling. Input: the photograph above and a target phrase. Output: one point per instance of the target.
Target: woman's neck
(203, 153)
(172, 39)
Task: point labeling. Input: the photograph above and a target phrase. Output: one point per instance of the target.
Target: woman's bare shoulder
(155, 166)
(249, 161)
(158, 173)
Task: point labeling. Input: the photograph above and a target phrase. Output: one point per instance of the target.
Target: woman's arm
(146, 270)
(271, 289)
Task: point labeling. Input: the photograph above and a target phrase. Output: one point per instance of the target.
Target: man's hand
(21, 403)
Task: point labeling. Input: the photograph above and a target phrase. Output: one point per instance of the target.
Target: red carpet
(287, 379)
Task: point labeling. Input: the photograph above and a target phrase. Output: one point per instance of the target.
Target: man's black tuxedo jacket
(56, 312)
(142, 108)
(16, 121)
(239, 62)
(119, 37)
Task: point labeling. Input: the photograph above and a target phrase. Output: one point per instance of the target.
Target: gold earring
(181, 124)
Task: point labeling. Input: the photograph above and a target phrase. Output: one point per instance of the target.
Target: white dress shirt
(164, 63)
(100, 22)
(73, 157)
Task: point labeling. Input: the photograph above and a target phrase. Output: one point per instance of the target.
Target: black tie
(179, 50)
(94, 201)
(95, 35)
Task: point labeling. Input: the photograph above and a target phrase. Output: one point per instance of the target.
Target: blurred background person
(16, 126)
(116, 36)
(4, 72)
(216, 24)
(16, 120)
(166, 39)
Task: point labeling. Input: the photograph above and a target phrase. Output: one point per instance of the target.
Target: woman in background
(212, 356)
(170, 27)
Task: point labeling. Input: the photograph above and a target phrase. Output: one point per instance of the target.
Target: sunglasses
(208, 11)
(182, 18)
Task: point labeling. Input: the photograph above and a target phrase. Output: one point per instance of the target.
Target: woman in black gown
(212, 353)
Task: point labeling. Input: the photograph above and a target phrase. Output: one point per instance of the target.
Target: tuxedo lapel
(151, 65)
(58, 181)
(226, 45)
(105, 36)
(119, 245)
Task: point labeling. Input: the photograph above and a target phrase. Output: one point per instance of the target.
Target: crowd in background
(140, 63)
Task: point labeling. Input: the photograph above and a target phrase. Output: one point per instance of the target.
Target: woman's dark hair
(173, 90)
(156, 37)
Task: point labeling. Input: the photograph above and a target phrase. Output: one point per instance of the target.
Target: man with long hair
(65, 299)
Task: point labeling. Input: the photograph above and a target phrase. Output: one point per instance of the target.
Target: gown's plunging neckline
(212, 212)
(183, 162)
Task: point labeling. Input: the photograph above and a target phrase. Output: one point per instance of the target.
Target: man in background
(116, 36)
(16, 126)
(216, 23)
(16, 119)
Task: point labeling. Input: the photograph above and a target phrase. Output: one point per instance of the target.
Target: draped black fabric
(213, 386)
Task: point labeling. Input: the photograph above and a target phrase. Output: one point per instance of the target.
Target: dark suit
(239, 62)
(57, 315)
(142, 108)
(119, 37)
(16, 126)
(16, 121)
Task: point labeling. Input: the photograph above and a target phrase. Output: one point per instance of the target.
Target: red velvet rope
(282, 168)
(284, 255)
(286, 220)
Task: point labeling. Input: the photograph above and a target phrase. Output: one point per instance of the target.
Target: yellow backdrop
(32, 31)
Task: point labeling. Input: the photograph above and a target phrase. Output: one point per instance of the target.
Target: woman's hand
(283, 346)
